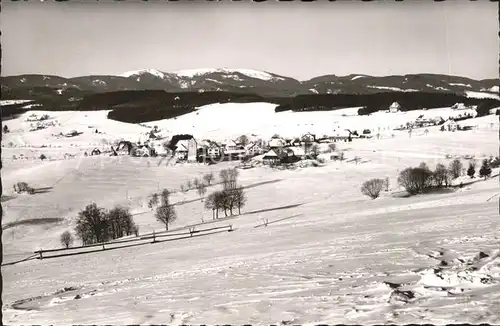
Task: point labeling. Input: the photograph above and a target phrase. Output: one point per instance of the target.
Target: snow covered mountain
(243, 80)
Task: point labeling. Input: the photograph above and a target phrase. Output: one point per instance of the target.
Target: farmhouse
(276, 156)
(253, 149)
(421, 122)
(272, 157)
(143, 151)
(459, 106)
(450, 125)
(395, 107)
(298, 151)
(123, 148)
(229, 145)
(214, 150)
(308, 138)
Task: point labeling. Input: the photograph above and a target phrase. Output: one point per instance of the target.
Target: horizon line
(266, 71)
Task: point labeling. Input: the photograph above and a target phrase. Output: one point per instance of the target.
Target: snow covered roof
(277, 142)
(271, 153)
(395, 105)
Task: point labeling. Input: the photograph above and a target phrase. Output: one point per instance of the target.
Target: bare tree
(314, 150)
(456, 168)
(120, 222)
(188, 185)
(208, 178)
(166, 214)
(227, 201)
(240, 198)
(229, 178)
(372, 188)
(424, 165)
(215, 201)
(202, 189)
(243, 140)
(210, 203)
(196, 182)
(91, 224)
(440, 175)
(155, 199)
(66, 239)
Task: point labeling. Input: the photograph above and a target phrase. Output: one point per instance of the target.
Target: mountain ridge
(251, 81)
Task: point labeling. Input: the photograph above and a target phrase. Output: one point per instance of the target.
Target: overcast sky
(296, 39)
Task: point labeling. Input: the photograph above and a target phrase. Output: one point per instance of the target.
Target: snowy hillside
(328, 253)
(231, 119)
(153, 72)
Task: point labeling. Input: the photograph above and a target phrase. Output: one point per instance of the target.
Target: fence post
(191, 231)
(230, 228)
(154, 236)
(103, 248)
(40, 252)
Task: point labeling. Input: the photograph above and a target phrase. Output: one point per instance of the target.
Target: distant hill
(149, 94)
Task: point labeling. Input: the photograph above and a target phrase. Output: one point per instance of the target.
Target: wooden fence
(118, 244)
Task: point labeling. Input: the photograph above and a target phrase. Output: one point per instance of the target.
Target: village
(186, 148)
(277, 150)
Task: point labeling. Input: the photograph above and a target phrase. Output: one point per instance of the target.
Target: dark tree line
(417, 180)
(381, 101)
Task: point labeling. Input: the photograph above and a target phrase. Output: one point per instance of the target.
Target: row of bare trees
(199, 184)
(229, 198)
(416, 180)
(96, 225)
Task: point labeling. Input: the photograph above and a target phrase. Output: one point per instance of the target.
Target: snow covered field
(340, 257)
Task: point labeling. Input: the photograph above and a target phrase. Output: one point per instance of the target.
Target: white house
(230, 145)
(142, 151)
(214, 150)
(308, 138)
(181, 150)
(253, 149)
(459, 106)
(192, 150)
(450, 125)
(395, 107)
